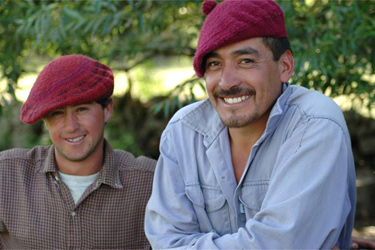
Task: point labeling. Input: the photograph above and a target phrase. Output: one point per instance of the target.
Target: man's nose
(71, 122)
(229, 77)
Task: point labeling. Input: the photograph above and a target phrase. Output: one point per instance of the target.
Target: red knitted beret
(67, 80)
(234, 21)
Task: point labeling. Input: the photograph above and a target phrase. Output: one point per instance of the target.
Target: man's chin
(74, 156)
(236, 122)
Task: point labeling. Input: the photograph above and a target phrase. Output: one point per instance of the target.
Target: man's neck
(241, 142)
(77, 169)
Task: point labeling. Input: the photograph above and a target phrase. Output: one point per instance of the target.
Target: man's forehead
(73, 106)
(253, 46)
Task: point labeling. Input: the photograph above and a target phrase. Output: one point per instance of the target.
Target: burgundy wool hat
(67, 80)
(234, 21)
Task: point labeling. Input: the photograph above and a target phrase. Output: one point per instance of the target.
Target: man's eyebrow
(245, 51)
(211, 54)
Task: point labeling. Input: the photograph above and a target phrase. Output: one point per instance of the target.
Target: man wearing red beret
(260, 164)
(78, 193)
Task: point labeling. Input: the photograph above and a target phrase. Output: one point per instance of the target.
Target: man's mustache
(233, 91)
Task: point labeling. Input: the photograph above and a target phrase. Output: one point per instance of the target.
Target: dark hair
(277, 45)
(104, 102)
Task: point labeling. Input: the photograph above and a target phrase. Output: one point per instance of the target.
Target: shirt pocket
(211, 208)
(217, 209)
(252, 196)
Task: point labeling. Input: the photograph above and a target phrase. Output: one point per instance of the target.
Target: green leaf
(141, 22)
(166, 108)
(72, 13)
(131, 3)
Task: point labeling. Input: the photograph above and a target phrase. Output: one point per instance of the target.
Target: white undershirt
(77, 184)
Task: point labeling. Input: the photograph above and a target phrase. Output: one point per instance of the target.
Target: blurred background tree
(333, 45)
(130, 36)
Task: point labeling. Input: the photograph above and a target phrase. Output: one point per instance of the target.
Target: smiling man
(260, 164)
(78, 193)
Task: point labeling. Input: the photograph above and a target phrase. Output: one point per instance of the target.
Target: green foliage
(151, 83)
(121, 137)
(13, 133)
(123, 34)
(11, 50)
(128, 31)
(183, 94)
(333, 47)
(332, 43)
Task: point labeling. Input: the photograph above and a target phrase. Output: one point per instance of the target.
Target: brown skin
(243, 82)
(77, 134)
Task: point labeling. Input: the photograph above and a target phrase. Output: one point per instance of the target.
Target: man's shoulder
(18, 161)
(37, 153)
(127, 161)
(192, 109)
(314, 104)
(200, 117)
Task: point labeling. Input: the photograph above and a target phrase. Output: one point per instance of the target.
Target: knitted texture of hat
(234, 21)
(67, 80)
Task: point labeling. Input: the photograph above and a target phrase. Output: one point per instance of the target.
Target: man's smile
(234, 100)
(76, 139)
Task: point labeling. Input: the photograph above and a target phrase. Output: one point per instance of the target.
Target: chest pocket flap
(252, 196)
(211, 208)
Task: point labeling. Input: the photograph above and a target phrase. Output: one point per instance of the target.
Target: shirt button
(73, 214)
(242, 208)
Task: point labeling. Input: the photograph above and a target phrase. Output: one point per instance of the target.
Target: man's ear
(286, 66)
(108, 110)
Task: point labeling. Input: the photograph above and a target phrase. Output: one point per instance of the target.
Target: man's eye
(212, 64)
(55, 113)
(81, 109)
(246, 61)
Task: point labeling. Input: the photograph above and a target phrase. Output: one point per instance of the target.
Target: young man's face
(77, 131)
(243, 81)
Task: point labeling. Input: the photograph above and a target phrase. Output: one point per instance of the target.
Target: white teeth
(75, 139)
(236, 100)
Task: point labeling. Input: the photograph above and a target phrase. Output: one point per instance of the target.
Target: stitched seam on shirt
(308, 122)
(256, 183)
(306, 118)
(327, 118)
(305, 115)
(168, 134)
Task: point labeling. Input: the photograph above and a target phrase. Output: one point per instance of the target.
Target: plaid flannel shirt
(37, 210)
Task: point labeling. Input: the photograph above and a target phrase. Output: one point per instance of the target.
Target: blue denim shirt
(297, 192)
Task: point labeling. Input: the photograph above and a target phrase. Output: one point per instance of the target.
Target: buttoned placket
(219, 157)
(241, 216)
(74, 230)
(90, 189)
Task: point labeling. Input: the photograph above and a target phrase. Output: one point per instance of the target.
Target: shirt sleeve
(170, 216)
(306, 206)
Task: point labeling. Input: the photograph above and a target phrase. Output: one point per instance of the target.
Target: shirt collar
(49, 164)
(277, 111)
(205, 120)
(109, 175)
